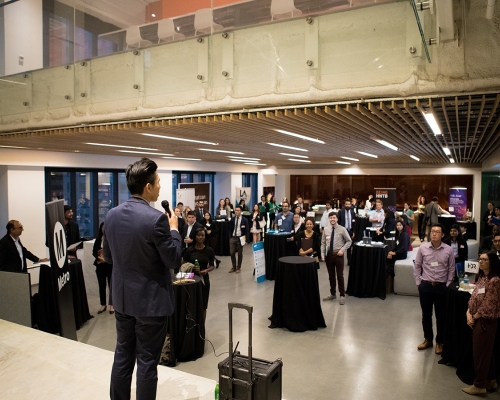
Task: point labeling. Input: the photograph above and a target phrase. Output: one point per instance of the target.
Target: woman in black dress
(211, 233)
(400, 252)
(308, 233)
(206, 258)
(103, 271)
(389, 225)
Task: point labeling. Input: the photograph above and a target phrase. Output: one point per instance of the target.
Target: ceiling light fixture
(241, 160)
(415, 158)
(287, 147)
(245, 158)
(349, 158)
(13, 147)
(254, 163)
(120, 146)
(223, 151)
(299, 136)
(144, 152)
(343, 162)
(447, 151)
(432, 122)
(293, 155)
(181, 139)
(452, 161)
(181, 158)
(387, 144)
(367, 154)
(293, 159)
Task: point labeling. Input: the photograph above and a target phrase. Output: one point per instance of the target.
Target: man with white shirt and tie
(325, 221)
(13, 254)
(347, 219)
(189, 229)
(238, 226)
(334, 243)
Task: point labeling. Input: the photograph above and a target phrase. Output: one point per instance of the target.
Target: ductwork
(490, 9)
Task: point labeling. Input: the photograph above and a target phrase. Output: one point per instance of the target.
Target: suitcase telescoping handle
(250, 312)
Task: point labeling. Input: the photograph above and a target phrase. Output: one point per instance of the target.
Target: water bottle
(216, 392)
(196, 267)
(466, 282)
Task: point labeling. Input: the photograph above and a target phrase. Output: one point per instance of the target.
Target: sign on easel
(259, 261)
(472, 267)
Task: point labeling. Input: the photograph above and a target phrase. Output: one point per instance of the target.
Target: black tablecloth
(471, 229)
(46, 309)
(296, 301)
(275, 247)
(447, 222)
(360, 225)
(222, 245)
(186, 324)
(457, 346)
(367, 272)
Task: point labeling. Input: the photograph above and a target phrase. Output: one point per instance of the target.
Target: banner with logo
(259, 259)
(202, 192)
(388, 197)
(458, 202)
(61, 283)
(243, 193)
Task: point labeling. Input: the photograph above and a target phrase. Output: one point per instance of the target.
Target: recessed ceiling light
(181, 139)
(287, 147)
(349, 158)
(14, 147)
(245, 158)
(367, 154)
(241, 160)
(144, 152)
(387, 144)
(299, 136)
(447, 151)
(431, 120)
(120, 146)
(293, 155)
(254, 163)
(452, 161)
(415, 158)
(223, 151)
(293, 159)
(181, 158)
(342, 162)
(153, 15)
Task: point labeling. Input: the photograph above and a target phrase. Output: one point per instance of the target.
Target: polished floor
(367, 351)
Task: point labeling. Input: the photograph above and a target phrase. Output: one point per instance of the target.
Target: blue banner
(458, 202)
(259, 261)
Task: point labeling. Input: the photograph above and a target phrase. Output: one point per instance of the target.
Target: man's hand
(188, 240)
(340, 253)
(43, 260)
(322, 258)
(173, 222)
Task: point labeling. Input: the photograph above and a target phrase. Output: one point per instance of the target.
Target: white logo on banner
(59, 244)
(472, 267)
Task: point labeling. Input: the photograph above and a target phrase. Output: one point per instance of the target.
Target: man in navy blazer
(13, 254)
(238, 227)
(347, 219)
(189, 230)
(143, 244)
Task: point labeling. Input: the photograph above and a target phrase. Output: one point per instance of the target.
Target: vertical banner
(61, 284)
(243, 193)
(458, 202)
(259, 261)
(201, 192)
(388, 197)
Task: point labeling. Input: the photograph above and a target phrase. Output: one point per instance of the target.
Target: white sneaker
(342, 300)
(329, 297)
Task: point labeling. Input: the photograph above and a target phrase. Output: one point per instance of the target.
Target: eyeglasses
(437, 232)
(496, 241)
(483, 259)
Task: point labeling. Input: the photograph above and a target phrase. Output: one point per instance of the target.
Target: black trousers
(483, 341)
(141, 339)
(432, 296)
(335, 266)
(103, 272)
(235, 247)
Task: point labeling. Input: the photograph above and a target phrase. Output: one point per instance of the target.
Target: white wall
(223, 187)
(23, 28)
(4, 198)
(165, 190)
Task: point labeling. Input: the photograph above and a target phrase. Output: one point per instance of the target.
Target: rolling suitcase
(246, 378)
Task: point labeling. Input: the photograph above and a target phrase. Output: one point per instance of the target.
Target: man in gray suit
(143, 244)
(432, 211)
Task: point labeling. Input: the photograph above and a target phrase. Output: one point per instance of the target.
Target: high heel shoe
(111, 311)
(102, 310)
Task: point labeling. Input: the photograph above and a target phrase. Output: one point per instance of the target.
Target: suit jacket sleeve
(3, 254)
(106, 252)
(29, 255)
(168, 243)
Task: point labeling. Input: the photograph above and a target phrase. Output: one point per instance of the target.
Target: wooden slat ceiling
(469, 123)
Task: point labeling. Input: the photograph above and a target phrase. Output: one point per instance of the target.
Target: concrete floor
(367, 351)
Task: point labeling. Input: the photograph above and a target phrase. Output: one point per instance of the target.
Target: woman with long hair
(308, 233)
(255, 219)
(459, 247)
(389, 225)
(421, 203)
(211, 234)
(223, 211)
(103, 271)
(400, 252)
(273, 207)
(482, 314)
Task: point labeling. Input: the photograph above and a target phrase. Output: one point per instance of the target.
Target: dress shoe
(217, 263)
(102, 310)
(111, 311)
(238, 270)
(492, 386)
(425, 345)
(439, 348)
(232, 270)
(475, 391)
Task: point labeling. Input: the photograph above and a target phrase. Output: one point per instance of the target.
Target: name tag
(397, 242)
(353, 220)
(208, 225)
(434, 264)
(242, 226)
(328, 238)
(482, 291)
(462, 246)
(280, 221)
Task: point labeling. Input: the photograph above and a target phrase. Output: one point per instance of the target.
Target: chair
(284, 7)
(133, 38)
(204, 22)
(166, 30)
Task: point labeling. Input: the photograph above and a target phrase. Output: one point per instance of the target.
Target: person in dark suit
(347, 219)
(432, 211)
(13, 254)
(143, 244)
(71, 230)
(238, 227)
(189, 230)
(103, 271)
(200, 211)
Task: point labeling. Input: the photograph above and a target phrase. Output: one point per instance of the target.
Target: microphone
(165, 204)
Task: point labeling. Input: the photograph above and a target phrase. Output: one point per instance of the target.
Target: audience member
(388, 227)
(487, 242)
(255, 219)
(306, 247)
(347, 219)
(409, 214)
(325, 221)
(243, 206)
(103, 271)
(222, 211)
(377, 216)
(459, 247)
(273, 207)
(422, 223)
(71, 230)
(400, 251)
(432, 211)
(200, 211)
(488, 224)
(284, 219)
(228, 204)
(189, 229)
(211, 234)
(238, 226)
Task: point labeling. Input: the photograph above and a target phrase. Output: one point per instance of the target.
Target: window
(189, 177)
(251, 181)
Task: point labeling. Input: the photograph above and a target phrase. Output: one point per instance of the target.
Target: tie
(201, 212)
(235, 226)
(347, 221)
(331, 239)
